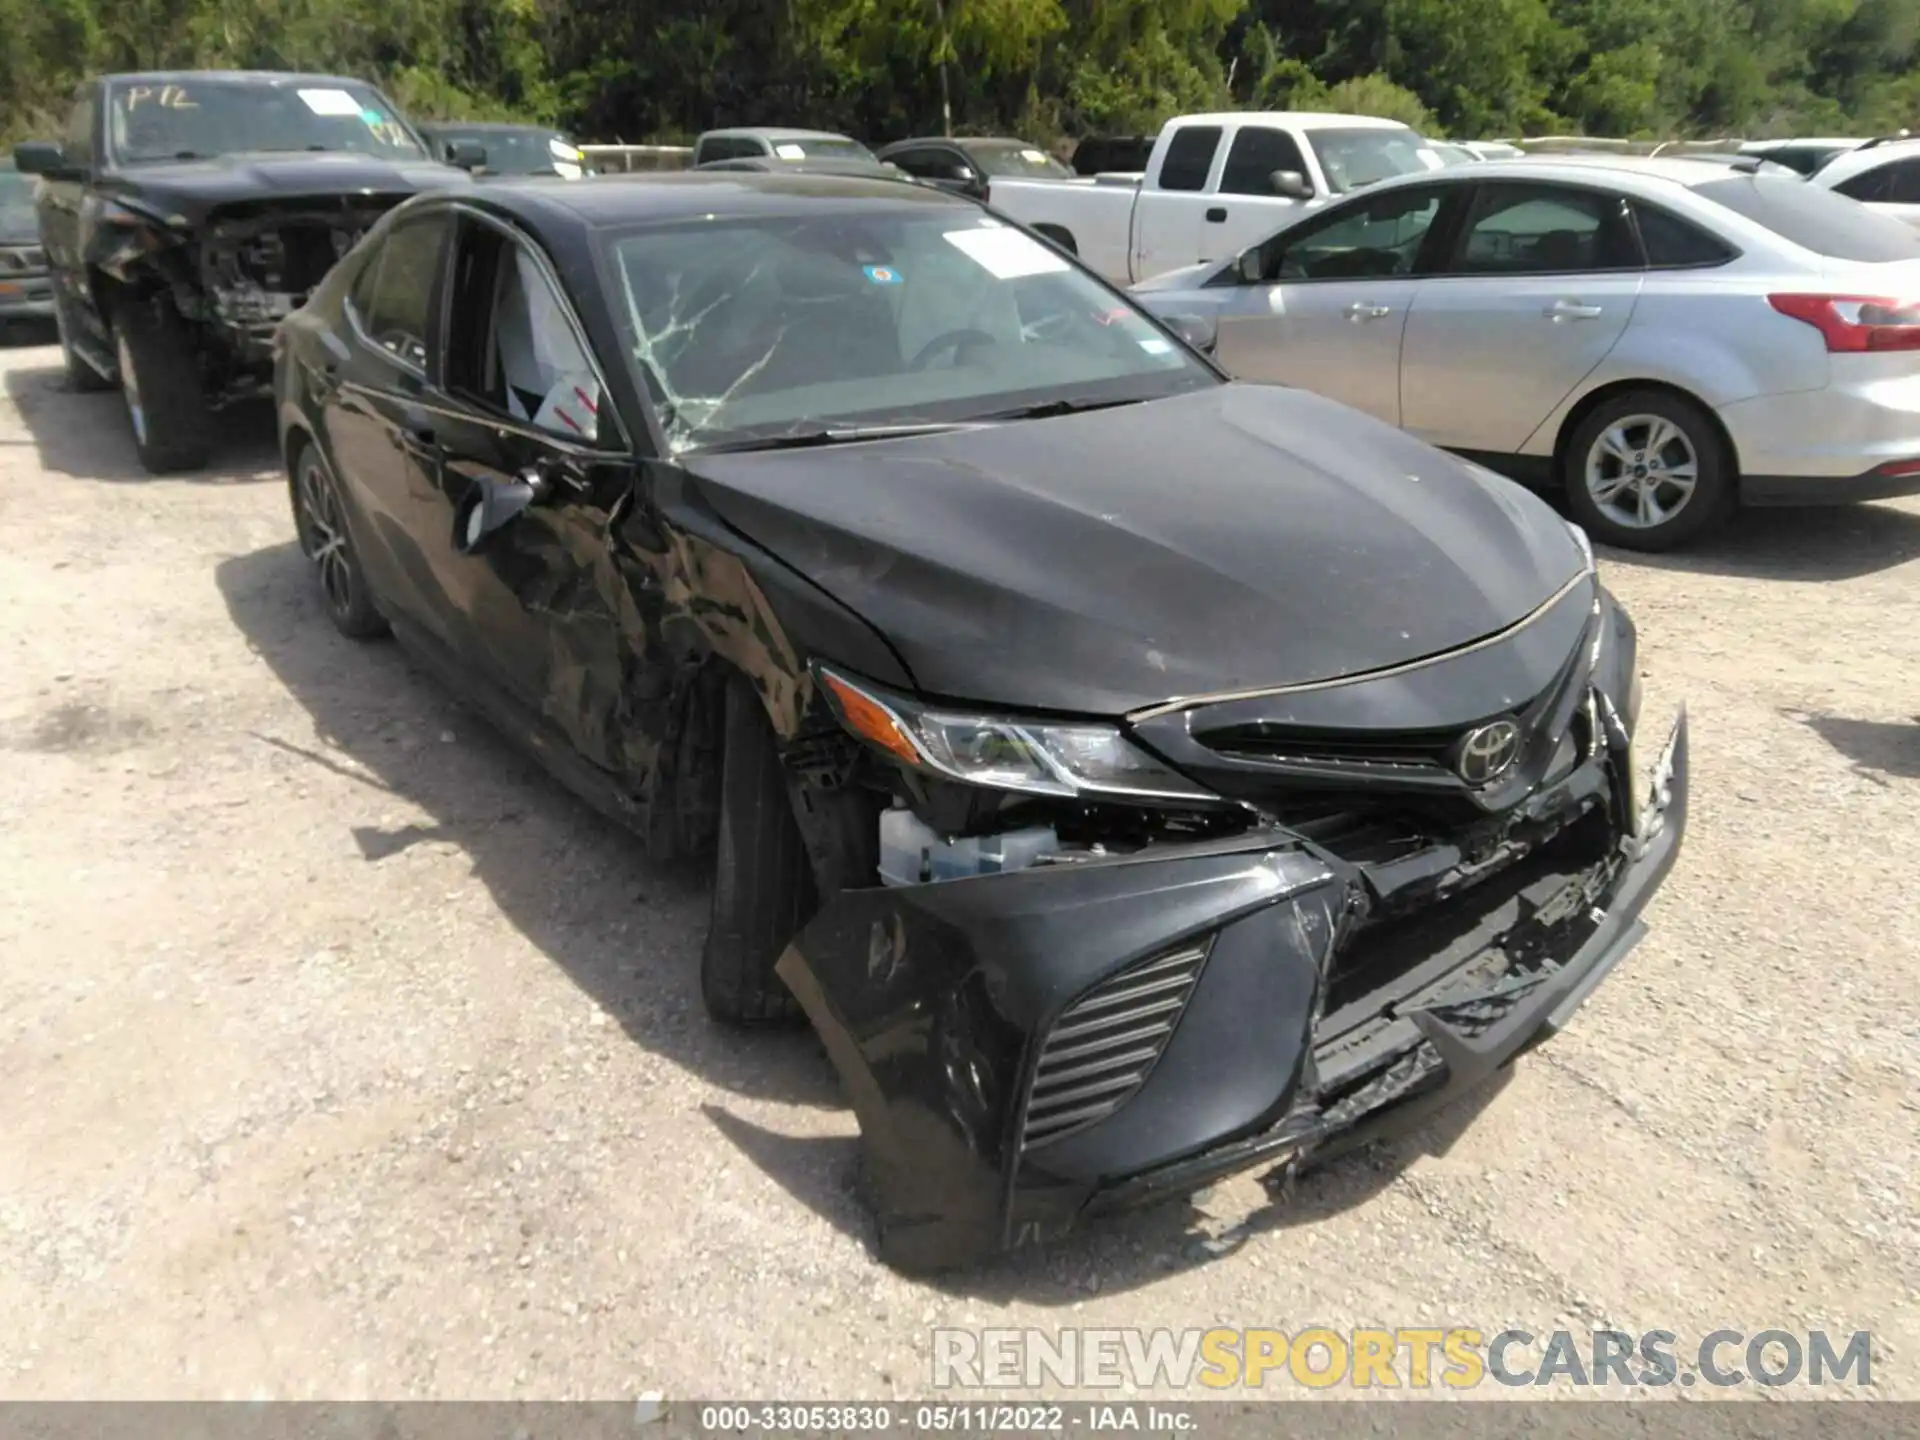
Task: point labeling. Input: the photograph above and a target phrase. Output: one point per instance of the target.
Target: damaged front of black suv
(1115, 960)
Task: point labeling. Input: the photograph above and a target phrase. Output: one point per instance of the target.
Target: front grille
(19, 260)
(1102, 1047)
(1405, 750)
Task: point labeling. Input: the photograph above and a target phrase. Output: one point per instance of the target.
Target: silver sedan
(1664, 339)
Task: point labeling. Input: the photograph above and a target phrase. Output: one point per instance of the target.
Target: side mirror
(1290, 183)
(40, 157)
(1249, 267)
(1199, 331)
(466, 154)
(491, 505)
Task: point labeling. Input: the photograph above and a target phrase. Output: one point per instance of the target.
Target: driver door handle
(1217, 215)
(1361, 310)
(1571, 310)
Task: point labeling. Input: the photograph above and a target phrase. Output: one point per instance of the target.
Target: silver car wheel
(1641, 471)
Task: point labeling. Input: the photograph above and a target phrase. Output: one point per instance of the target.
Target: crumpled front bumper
(937, 1002)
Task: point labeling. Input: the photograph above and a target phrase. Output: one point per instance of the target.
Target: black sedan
(1133, 775)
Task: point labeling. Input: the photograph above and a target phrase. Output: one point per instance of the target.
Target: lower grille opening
(1103, 1045)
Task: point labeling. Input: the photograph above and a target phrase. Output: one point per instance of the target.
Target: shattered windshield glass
(199, 119)
(764, 327)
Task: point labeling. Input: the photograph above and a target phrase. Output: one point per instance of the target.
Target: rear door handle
(1571, 310)
(1366, 310)
(1217, 215)
(420, 439)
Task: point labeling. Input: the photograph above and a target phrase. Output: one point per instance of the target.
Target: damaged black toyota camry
(1134, 776)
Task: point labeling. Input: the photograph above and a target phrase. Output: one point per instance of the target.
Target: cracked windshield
(198, 119)
(755, 331)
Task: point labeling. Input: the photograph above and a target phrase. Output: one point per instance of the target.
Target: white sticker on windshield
(1033, 157)
(1156, 346)
(1005, 254)
(1430, 158)
(790, 152)
(562, 150)
(330, 102)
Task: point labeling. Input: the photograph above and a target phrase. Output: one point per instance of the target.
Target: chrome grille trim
(1104, 1045)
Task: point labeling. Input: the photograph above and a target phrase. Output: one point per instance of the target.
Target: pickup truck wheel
(80, 375)
(1647, 470)
(160, 378)
(763, 889)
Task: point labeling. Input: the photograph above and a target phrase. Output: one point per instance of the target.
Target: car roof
(963, 141)
(777, 132)
(717, 194)
(1687, 172)
(1299, 119)
(1866, 157)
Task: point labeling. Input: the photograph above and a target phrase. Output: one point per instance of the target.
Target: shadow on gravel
(1838, 542)
(1115, 1252)
(87, 435)
(578, 887)
(1878, 749)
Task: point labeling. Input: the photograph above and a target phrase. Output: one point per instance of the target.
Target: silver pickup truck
(1213, 185)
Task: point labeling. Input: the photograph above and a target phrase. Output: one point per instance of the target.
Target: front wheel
(160, 378)
(763, 887)
(1648, 470)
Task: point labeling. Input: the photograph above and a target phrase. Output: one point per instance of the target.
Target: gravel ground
(347, 1056)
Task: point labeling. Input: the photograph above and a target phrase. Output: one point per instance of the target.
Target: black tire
(763, 887)
(160, 378)
(320, 519)
(1624, 465)
(80, 375)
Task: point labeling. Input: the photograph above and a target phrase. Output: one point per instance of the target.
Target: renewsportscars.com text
(1456, 1358)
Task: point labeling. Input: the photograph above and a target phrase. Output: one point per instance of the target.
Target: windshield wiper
(1065, 405)
(832, 435)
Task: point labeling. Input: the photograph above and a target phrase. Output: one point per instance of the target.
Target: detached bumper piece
(1028, 1049)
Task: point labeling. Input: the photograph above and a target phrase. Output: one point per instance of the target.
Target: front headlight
(1035, 757)
(1581, 539)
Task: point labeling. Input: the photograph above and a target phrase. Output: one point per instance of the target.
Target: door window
(393, 296)
(1544, 230)
(512, 344)
(1373, 238)
(1895, 183)
(1256, 153)
(1189, 157)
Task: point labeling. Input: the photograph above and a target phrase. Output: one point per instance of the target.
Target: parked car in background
(1135, 777)
(1452, 154)
(1804, 154)
(1112, 155)
(187, 213)
(823, 165)
(1883, 175)
(1493, 149)
(1661, 339)
(26, 293)
(1214, 184)
(752, 142)
(967, 164)
(509, 149)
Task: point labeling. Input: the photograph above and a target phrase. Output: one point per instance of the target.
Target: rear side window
(1256, 153)
(1189, 157)
(394, 293)
(1813, 218)
(1674, 244)
(1895, 183)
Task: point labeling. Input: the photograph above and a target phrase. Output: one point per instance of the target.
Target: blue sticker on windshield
(882, 274)
(373, 117)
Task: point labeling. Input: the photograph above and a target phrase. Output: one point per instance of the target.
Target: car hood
(1236, 537)
(193, 188)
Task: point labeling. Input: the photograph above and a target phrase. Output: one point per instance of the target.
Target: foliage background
(636, 70)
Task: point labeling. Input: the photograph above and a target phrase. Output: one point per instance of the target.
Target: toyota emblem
(1487, 753)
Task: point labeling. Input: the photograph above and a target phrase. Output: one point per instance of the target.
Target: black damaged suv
(185, 214)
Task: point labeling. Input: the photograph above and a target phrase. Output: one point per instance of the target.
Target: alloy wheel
(323, 536)
(1641, 471)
